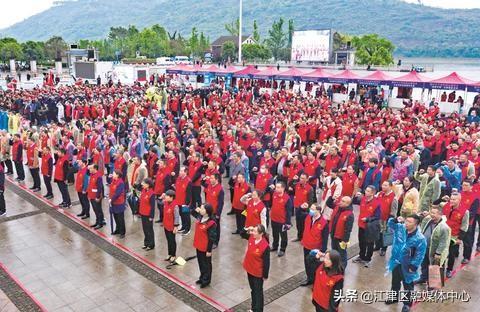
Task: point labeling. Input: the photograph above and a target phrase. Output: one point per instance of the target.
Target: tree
(277, 39)
(10, 49)
(54, 47)
(373, 50)
(256, 33)
(291, 29)
(252, 52)
(33, 50)
(229, 50)
(233, 28)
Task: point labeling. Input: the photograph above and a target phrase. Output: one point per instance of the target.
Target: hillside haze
(416, 30)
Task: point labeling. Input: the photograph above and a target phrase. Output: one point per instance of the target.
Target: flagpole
(240, 33)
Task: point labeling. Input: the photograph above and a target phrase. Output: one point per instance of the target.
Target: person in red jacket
(369, 212)
(240, 188)
(215, 196)
(328, 281)
(257, 263)
(388, 209)
(256, 210)
(117, 199)
(147, 213)
(17, 156)
(340, 227)
(183, 190)
(163, 182)
(302, 199)
(315, 237)
(47, 171)
(60, 176)
(280, 216)
(95, 195)
(81, 185)
(203, 241)
(171, 220)
(3, 210)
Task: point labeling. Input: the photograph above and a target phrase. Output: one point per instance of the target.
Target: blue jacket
(408, 250)
(454, 177)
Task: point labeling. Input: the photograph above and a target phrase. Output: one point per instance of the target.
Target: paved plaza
(52, 260)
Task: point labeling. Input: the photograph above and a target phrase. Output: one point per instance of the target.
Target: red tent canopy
(226, 70)
(412, 79)
(454, 79)
(378, 76)
(209, 69)
(316, 75)
(267, 73)
(246, 72)
(180, 68)
(344, 77)
(291, 73)
(375, 78)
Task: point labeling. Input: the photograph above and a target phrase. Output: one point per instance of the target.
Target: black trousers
(64, 190)
(19, 169)
(3, 209)
(196, 196)
(453, 253)
(185, 217)
(425, 265)
(342, 252)
(35, 172)
(48, 184)
(309, 268)
(148, 233)
(366, 248)
(277, 235)
(318, 308)
(119, 222)
(477, 221)
(97, 209)
(205, 267)
(256, 287)
(300, 222)
(397, 280)
(171, 243)
(469, 240)
(239, 219)
(160, 208)
(8, 165)
(84, 203)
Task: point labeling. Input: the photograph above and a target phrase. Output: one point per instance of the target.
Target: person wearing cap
(171, 221)
(147, 213)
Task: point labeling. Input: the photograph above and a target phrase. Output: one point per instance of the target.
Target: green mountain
(416, 30)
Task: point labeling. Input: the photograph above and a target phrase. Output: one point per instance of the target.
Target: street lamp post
(240, 34)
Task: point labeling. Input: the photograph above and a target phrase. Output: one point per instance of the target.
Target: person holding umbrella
(203, 241)
(117, 203)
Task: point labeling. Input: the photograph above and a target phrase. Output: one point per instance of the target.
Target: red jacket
(315, 235)
(253, 261)
(323, 287)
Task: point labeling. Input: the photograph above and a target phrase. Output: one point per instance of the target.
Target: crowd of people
(284, 158)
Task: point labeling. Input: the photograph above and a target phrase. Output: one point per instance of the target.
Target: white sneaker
(3, 214)
(357, 260)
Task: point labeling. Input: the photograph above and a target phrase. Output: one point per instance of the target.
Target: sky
(14, 11)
